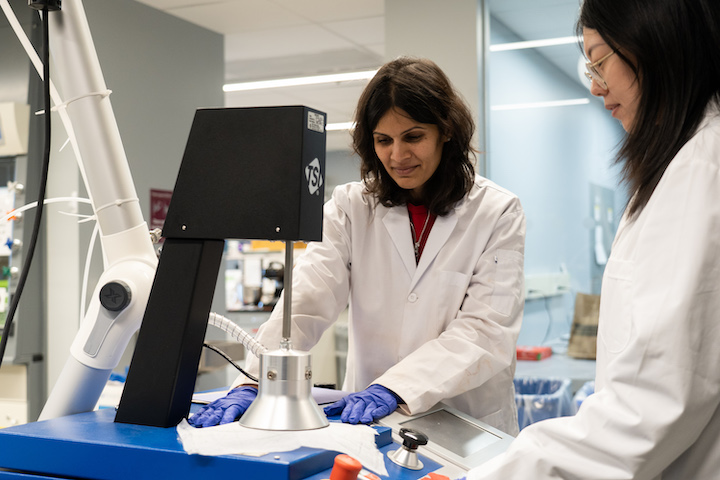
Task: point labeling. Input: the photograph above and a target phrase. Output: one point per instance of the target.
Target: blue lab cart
(92, 445)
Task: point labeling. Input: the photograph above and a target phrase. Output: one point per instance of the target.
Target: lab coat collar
(397, 223)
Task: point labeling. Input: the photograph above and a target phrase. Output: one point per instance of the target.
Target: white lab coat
(655, 413)
(442, 330)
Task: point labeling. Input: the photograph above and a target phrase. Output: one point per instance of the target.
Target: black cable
(227, 357)
(41, 193)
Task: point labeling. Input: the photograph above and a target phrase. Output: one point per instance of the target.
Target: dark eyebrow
(416, 127)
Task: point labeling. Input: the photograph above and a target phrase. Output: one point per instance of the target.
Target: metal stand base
(284, 400)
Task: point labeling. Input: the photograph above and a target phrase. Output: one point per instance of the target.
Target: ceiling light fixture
(339, 126)
(298, 81)
(557, 103)
(548, 42)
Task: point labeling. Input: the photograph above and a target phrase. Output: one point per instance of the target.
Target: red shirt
(420, 224)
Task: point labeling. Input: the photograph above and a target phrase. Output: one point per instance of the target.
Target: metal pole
(287, 294)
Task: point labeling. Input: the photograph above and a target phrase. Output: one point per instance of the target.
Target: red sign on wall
(159, 203)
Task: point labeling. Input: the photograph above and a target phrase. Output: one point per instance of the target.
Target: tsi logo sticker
(313, 175)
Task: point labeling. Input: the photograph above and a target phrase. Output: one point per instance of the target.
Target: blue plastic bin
(541, 398)
(583, 392)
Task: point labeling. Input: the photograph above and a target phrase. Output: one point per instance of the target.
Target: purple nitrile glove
(226, 409)
(366, 406)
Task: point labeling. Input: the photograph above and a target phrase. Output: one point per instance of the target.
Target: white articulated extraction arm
(134, 285)
(120, 297)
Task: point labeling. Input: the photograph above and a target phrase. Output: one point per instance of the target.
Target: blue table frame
(92, 445)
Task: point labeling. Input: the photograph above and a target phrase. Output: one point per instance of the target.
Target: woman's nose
(399, 151)
(596, 89)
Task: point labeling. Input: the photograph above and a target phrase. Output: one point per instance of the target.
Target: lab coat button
(412, 298)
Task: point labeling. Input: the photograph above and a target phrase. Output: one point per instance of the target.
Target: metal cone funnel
(284, 400)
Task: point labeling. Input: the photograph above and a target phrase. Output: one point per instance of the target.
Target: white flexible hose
(237, 333)
(47, 201)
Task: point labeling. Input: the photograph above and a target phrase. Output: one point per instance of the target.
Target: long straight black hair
(675, 50)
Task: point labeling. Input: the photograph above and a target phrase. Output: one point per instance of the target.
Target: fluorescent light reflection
(549, 42)
(558, 103)
(298, 81)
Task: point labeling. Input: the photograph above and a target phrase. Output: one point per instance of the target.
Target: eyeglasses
(594, 74)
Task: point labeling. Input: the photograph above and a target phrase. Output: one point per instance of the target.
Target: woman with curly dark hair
(432, 101)
(426, 256)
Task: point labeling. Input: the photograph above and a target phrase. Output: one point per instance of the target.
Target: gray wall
(160, 69)
(452, 34)
(15, 65)
(341, 166)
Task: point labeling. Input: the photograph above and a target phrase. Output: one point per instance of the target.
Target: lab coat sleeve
(320, 288)
(479, 342)
(658, 380)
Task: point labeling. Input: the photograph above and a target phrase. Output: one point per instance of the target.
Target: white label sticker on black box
(316, 122)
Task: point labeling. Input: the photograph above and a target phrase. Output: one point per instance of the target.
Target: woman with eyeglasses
(655, 413)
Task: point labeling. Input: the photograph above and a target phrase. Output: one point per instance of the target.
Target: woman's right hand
(226, 409)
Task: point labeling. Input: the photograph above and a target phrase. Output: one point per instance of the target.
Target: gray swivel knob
(115, 296)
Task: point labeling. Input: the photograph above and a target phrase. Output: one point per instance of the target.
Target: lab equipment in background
(272, 283)
(541, 398)
(543, 285)
(254, 272)
(14, 122)
(251, 280)
(233, 285)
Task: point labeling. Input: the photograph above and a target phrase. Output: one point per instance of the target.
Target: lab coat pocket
(508, 281)
(615, 323)
(454, 285)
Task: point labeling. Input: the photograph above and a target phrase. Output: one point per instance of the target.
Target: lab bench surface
(92, 445)
(558, 365)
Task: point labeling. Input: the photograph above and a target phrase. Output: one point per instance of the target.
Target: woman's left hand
(366, 406)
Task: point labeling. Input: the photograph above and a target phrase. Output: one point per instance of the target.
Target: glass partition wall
(552, 143)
